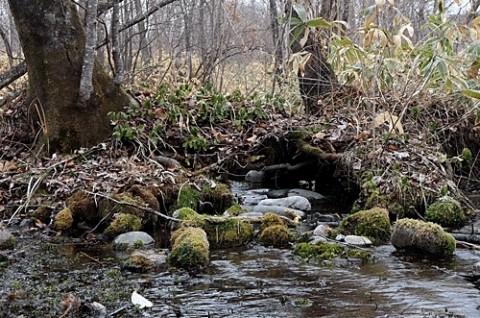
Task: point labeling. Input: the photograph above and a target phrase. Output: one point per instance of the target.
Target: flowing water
(253, 281)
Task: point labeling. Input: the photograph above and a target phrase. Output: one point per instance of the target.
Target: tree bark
(318, 78)
(53, 41)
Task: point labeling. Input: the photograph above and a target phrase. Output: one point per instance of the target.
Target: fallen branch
(143, 208)
(13, 74)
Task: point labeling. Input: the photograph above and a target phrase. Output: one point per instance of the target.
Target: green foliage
(191, 110)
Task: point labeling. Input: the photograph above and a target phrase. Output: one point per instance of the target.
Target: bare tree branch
(13, 74)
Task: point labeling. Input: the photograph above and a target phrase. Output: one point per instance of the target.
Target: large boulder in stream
(424, 237)
(373, 223)
(190, 248)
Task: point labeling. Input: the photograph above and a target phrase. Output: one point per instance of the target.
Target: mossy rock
(83, 207)
(319, 251)
(275, 235)
(270, 219)
(235, 210)
(446, 212)
(186, 214)
(108, 207)
(373, 223)
(424, 237)
(7, 240)
(224, 233)
(323, 251)
(123, 223)
(63, 220)
(42, 213)
(190, 248)
(146, 195)
(220, 198)
(137, 263)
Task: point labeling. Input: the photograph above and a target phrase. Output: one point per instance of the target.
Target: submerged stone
(421, 236)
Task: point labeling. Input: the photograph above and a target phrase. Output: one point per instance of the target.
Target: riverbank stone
(294, 202)
(7, 240)
(447, 212)
(420, 236)
(280, 210)
(132, 239)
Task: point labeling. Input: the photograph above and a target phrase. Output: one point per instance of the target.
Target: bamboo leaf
(300, 10)
(473, 93)
(318, 22)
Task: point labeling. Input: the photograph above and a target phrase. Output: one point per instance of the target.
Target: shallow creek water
(252, 281)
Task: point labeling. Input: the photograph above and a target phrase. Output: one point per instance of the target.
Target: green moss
(137, 263)
(446, 212)
(318, 251)
(63, 220)
(190, 248)
(373, 223)
(364, 256)
(228, 232)
(417, 235)
(8, 244)
(310, 150)
(123, 223)
(270, 219)
(83, 207)
(235, 210)
(186, 214)
(186, 198)
(42, 213)
(275, 235)
(220, 198)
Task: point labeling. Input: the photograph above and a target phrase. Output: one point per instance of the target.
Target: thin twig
(143, 208)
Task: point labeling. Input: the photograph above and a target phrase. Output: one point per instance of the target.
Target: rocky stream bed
(46, 275)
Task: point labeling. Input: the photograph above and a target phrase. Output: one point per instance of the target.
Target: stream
(252, 281)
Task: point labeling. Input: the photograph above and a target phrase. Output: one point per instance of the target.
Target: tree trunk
(53, 41)
(318, 78)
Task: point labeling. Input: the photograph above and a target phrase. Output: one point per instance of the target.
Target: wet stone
(322, 230)
(278, 193)
(279, 210)
(293, 202)
(357, 240)
(7, 240)
(254, 176)
(132, 239)
(307, 194)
